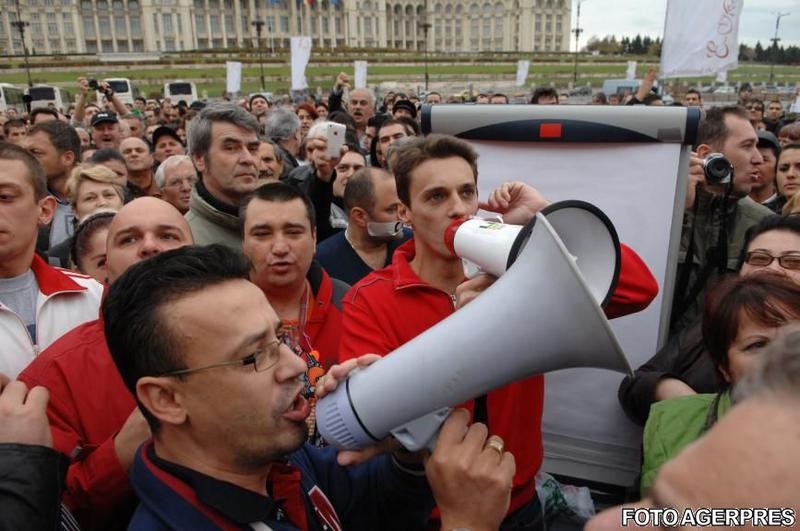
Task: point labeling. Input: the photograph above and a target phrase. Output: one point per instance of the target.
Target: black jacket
(321, 195)
(684, 357)
(31, 481)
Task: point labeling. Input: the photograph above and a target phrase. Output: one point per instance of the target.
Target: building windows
(105, 26)
(200, 24)
(167, 23)
(88, 26)
(367, 26)
(229, 29)
(119, 25)
(155, 23)
(169, 44)
(136, 26)
(55, 46)
(122, 46)
(284, 24)
(215, 25)
(52, 28)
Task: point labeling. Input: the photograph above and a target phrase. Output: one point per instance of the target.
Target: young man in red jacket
(93, 417)
(437, 184)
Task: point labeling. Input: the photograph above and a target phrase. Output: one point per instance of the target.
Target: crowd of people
(179, 285)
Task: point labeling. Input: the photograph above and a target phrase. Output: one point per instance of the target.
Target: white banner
(360, 68)
(522, 71)
(301, 53)
(701, 37)
(795, 105)
(234, 76)
(631, 73)
(722, 76)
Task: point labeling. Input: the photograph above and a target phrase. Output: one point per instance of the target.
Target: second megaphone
(542, 315)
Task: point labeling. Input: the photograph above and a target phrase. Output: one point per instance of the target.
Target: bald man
(99, 425)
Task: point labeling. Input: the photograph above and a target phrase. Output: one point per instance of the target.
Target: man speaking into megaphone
(437, 184)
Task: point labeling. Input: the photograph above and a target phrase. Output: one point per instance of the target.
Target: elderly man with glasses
(176, 177)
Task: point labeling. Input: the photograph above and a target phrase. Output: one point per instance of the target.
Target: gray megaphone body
(544, 313)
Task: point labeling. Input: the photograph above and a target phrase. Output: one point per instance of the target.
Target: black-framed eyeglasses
(762, 259)
(262, 359)
(754, 108)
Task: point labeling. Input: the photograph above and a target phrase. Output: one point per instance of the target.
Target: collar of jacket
(213, 209)
(403, 275)
(50, 279)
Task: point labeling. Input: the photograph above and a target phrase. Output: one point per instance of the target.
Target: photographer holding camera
(718, 211)
(84, 112)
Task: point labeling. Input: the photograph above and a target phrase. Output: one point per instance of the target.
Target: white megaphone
(542, 315)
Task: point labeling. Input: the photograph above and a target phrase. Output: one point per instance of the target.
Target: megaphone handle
(421, 432)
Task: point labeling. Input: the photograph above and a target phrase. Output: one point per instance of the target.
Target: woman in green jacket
(742, 316)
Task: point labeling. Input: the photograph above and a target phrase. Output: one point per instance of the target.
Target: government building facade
(136, 26)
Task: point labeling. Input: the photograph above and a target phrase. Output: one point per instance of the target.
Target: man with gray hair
(176, 177)
(270, 161)
(283, 127)
(223, 144)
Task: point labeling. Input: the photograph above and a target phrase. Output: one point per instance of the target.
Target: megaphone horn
(541, 315)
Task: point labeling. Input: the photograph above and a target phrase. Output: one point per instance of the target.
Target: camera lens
(717, 169)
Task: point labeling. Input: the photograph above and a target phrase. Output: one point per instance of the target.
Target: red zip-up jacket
(393, 305)
(88, 405)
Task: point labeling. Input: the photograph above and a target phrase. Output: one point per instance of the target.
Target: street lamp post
(20, 25)
(775, 40)
(577, 31)
(425, 25)
(259, 24)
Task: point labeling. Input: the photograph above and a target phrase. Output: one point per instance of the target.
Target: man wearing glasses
(224, 400)
(93, 417)
(176, 177)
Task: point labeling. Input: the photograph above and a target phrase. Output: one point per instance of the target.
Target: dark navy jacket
(314, 493)
(342, 262)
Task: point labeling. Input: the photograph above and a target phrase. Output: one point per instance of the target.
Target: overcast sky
(646, 17)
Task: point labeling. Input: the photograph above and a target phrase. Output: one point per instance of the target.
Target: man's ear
(68, 158)
(162, 399)
(704, 150)
(199, 162)
(47, 208)
(404, 213)
(358, 216)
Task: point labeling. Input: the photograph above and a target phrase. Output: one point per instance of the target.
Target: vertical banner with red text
(701, 37)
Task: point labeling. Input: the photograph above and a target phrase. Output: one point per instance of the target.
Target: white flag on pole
(722, 76)
(360, 68)
(234, 76)
(631, 73)
(796, 105)
(701, 37)
(522, 71)
(301, 53)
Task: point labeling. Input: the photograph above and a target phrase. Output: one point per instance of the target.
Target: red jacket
(88, 405)
(392, 306)
(324, 325)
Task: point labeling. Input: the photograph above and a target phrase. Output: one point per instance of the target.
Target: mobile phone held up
(335, 136)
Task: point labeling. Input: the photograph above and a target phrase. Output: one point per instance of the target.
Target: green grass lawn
(211, 78)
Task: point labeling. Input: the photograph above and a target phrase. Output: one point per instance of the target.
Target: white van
(123, 89)
(12, 97)
(48, 96)
(176, 91)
